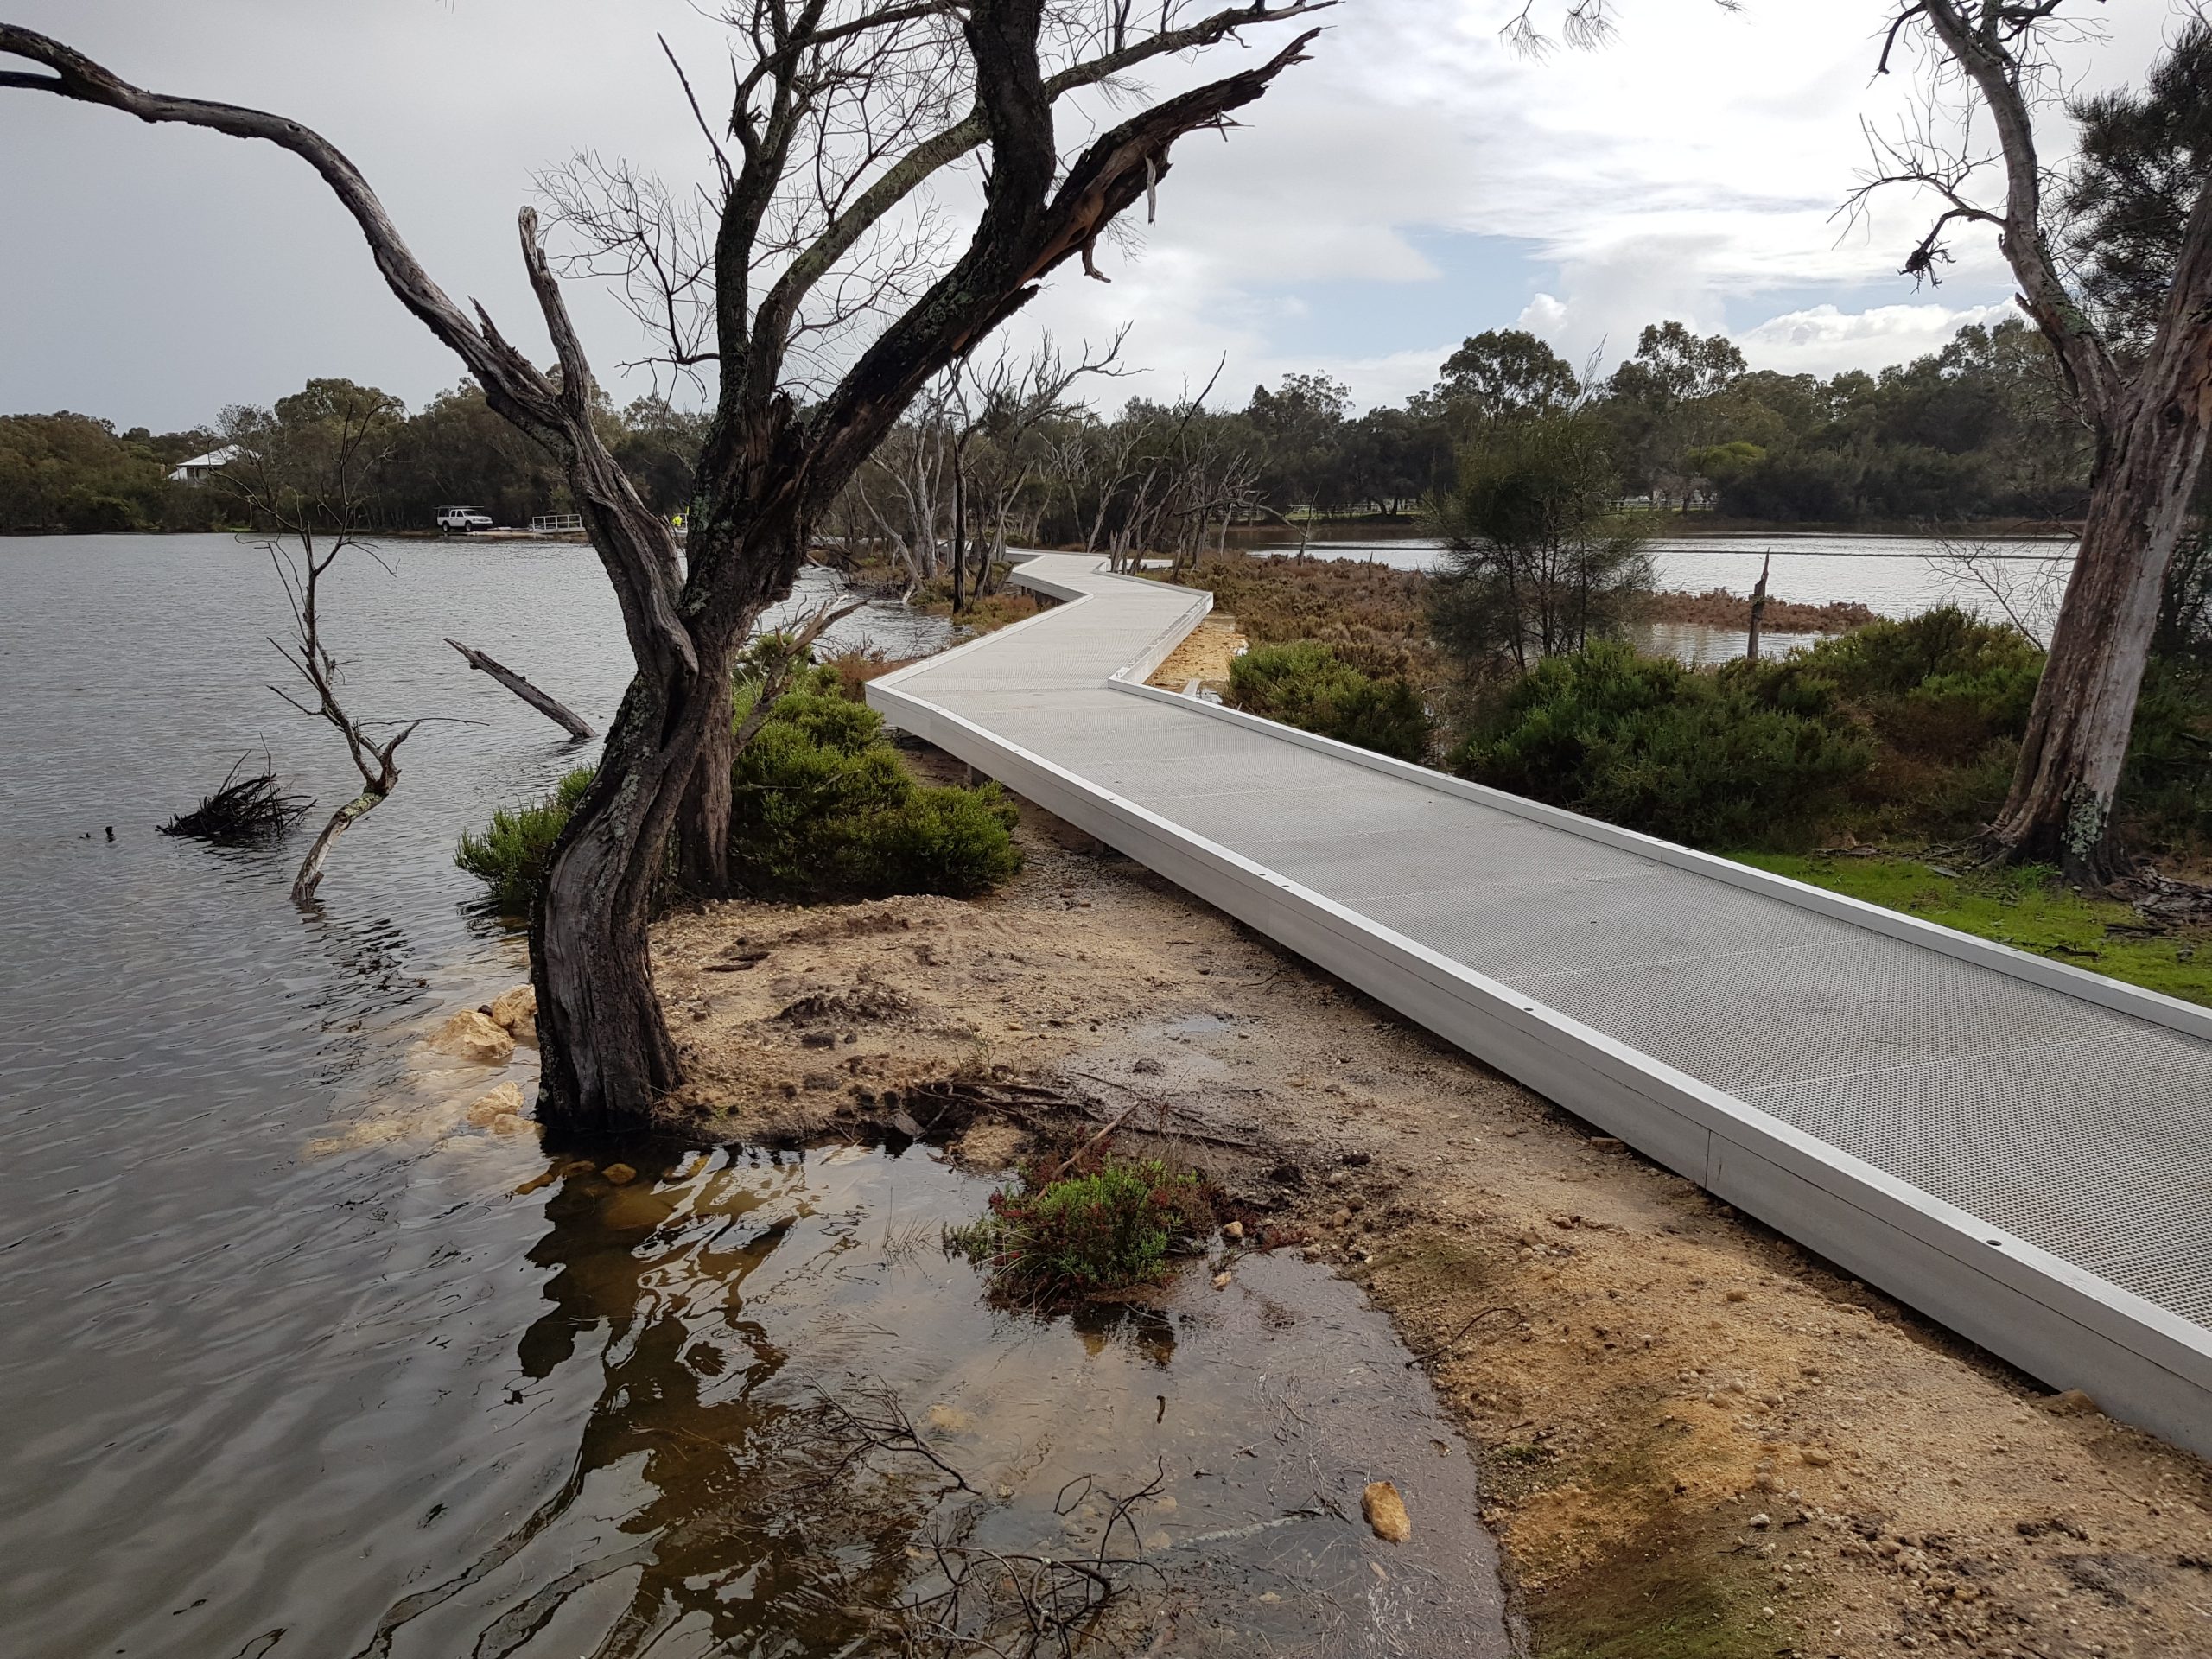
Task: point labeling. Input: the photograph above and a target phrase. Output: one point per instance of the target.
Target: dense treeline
(72, 472)
(1978, 430)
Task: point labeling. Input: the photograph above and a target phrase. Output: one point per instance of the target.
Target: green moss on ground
(2027, 908)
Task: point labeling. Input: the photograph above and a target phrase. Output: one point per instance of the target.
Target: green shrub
(2165, 793)
(1108, 1230)
(1306, 684)
(510, 857)
(1713, 759)
(821, 807)
(1943, 683)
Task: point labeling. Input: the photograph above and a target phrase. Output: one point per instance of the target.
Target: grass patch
(1051, 1242)
(1675, 1596)
(2026, 908)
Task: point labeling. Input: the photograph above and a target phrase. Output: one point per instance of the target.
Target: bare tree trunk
(1758, 610)
(2060, 808)
(703, 824)
(311, 875)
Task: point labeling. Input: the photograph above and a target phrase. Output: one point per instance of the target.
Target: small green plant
(1307, 685)
(509, 857)
(1113, 1227)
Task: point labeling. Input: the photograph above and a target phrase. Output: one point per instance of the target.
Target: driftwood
(243, 812)
(559, 713)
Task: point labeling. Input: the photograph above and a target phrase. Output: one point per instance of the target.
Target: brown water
(290, 1364)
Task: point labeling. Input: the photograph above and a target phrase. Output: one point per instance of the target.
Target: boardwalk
(2019, 1149)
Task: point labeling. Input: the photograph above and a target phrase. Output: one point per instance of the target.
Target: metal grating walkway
(2046, 1134)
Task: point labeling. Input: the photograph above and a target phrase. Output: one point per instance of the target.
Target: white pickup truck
(459, 521)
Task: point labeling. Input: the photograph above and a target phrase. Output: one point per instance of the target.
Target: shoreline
(1684, 1421)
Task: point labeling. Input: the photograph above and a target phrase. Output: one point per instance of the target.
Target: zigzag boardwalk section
(2019, 1149)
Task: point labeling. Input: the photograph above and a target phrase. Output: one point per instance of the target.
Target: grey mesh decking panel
(1832, 1010)
(2080, 1126)
(2084, 1130)
(1548, 921)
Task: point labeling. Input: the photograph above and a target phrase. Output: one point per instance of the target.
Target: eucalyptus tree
(2115, 268)
(823, 300)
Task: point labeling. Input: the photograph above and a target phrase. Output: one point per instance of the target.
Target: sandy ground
(1698, 1440)
(1203, 656)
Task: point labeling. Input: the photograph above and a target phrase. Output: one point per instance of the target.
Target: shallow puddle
(813, 1435)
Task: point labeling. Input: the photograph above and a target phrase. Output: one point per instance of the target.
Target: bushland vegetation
(1980, 431)
(822, 807)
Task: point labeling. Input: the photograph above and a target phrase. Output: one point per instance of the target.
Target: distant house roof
(200, 465)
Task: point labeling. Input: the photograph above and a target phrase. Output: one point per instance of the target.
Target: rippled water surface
(297, 1362)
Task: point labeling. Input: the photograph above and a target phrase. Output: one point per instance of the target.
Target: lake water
(294, 1363)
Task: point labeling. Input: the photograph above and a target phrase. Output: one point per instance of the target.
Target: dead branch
(559, 713)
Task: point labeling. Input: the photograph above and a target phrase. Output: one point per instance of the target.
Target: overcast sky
(1414, 183)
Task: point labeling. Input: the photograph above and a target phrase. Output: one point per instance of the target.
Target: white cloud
(1690, 170)
(1822, 340)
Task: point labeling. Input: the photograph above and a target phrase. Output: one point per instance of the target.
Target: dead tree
(842, 113)
(1006, 401)
(302, 473)
(2148, 399)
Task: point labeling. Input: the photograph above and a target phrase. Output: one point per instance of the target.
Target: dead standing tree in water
(2134, 346)
(843, 113)
(302, 473)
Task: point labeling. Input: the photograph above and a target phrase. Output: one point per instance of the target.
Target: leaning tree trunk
(2060, 810)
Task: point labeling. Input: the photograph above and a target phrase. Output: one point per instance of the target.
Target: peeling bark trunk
(2060, 810)
(310, 874)
(702, 825)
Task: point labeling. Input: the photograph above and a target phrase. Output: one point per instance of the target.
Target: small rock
(506, 1101)
(1146, 1065)
(2072, 1403)
(1158, 1541)
(516, 1011)
(620, 1174)
(509, 1123)
(1386, 1512)
(1221, 1280)
(1606, 1144)
(1739, 1295)
(1342, 1218)
(1814, 1456)
(1234, 1232)
(1336, 1178)
(473, 1035)
(1761, 1519)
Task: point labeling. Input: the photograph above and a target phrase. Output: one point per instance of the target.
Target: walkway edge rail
(2051, 1319)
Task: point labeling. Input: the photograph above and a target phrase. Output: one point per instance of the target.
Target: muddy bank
(1696, 1440)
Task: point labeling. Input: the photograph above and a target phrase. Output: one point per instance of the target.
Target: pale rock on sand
(516, 1013)
(473, 1035)
(505, 1100)
(1386, 1512)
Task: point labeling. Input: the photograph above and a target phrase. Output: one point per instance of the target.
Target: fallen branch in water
(555, 710)
(243, 812)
